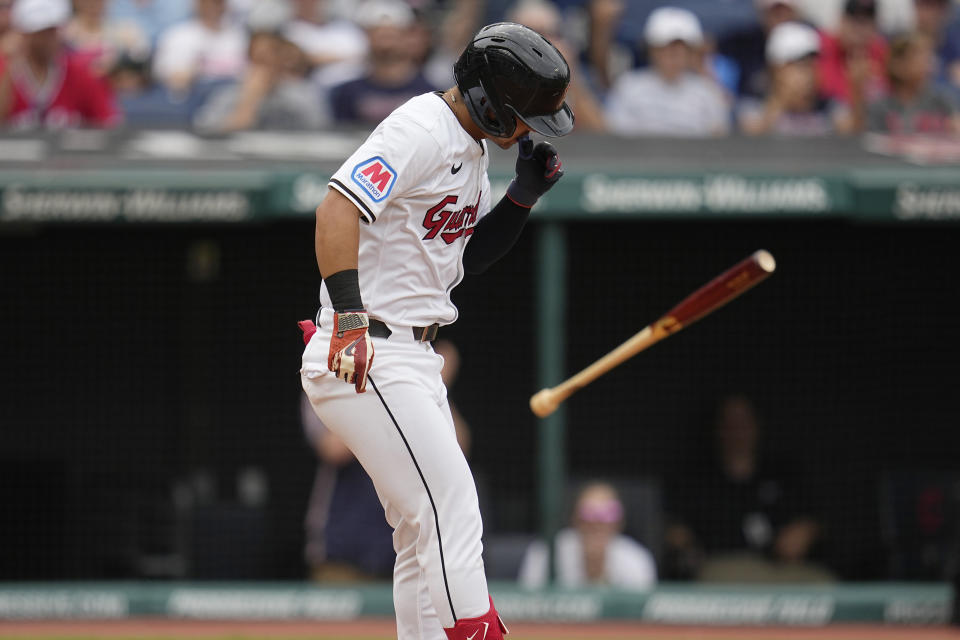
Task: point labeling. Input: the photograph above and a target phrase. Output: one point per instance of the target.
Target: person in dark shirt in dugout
(741, 517)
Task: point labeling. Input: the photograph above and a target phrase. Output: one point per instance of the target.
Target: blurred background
(159, 166)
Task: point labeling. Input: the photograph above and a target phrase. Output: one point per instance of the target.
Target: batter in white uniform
(406, 215)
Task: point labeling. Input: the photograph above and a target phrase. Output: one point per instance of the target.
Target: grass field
(165, 629)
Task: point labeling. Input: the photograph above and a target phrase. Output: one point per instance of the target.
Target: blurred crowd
(640, 67)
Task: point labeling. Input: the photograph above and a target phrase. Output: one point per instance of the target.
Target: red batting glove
(351, 350)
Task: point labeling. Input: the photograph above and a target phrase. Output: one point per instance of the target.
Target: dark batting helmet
(510, 72)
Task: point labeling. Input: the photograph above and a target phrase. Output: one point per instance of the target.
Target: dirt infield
(383, 629)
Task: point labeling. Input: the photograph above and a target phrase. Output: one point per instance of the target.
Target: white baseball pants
(402, 433)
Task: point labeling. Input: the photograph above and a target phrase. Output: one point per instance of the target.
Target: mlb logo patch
(375, 177)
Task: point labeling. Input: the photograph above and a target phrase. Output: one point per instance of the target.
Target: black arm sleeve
(494, 235)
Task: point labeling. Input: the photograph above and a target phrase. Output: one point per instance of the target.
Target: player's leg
(416, 616)
(406, 442)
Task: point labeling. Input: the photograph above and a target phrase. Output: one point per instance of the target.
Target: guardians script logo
(450, 224)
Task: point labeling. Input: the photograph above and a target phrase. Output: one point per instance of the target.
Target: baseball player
(404, 218)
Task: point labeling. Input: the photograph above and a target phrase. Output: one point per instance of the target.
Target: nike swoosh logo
(486, 625)
(454, 169)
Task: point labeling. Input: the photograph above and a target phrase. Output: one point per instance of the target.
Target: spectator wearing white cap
(668, 99)
(747, 46)
(393, 74)
(793, 106)
(44, 85)
(204, 49)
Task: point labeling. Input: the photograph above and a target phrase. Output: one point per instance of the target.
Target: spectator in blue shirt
(393, 75)
(939, 22)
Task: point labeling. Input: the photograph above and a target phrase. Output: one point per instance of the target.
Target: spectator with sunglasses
(594, 550)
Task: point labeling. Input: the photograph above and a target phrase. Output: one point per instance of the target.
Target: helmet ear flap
(483, 113)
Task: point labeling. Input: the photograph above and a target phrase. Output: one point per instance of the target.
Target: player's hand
(351, 350)
(538, 169)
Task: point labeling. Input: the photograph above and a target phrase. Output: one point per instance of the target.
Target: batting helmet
(510, 72)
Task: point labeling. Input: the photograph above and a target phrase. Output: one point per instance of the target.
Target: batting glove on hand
(538, 169)
(351, 350)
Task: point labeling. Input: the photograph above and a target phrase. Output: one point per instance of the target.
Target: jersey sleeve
(398, 157)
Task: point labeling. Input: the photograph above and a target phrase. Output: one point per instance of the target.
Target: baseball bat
(711, 296)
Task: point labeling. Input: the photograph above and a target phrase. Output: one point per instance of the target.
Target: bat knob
(543, 403)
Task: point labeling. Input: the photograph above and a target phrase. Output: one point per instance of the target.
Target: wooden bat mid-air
(713, 295)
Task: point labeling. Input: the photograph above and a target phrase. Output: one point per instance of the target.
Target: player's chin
(504, 143)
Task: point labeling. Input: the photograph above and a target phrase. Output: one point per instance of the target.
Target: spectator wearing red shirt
(42, 85)
(853, 61)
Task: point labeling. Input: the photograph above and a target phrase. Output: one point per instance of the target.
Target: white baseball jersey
(420, 183)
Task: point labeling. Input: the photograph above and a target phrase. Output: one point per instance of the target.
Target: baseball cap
(384, 13)
(30, 16)
(669, 24)
(792, 41)
(866, 8)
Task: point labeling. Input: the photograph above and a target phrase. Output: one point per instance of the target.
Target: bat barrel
(728, 285)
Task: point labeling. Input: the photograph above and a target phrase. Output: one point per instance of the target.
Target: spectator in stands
(544, 18)
(347, 536)
(915, 104)
(940, 21)
(334, 46)
(740, 515)
(593, 551)
(200, 51)
(668, 98)
(893, 16)
(747, 46)
(143, 102)
(456, 29)
(607, 59)
(153, 17)
(392, 76)
(853, 60)
(101, 41)
(274, 91)
(793, 105)
(8, 36)
(44, 85)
